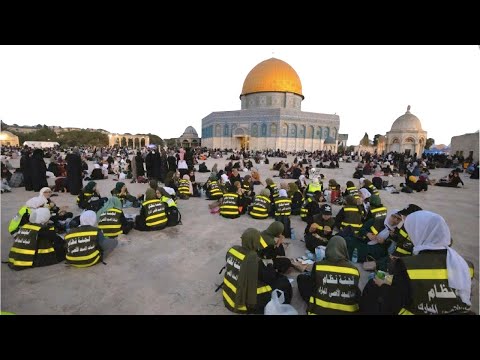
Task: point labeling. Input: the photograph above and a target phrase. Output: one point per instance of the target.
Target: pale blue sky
(164, 89)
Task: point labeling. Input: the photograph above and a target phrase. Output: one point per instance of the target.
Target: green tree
(365, 141)
(83, 137)
(157, 140)
(375, 139)
(429, 143)
(171, 142)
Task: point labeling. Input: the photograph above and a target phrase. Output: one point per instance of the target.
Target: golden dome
(272, 75)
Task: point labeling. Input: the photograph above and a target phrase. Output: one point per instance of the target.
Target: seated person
(203, 168)
(153, 213)
(261, 205)
(297, 198)
(453, 181)
(111, 219)
(321, 229)
(89, 198)
(121, 192)
(272, 247)
(229, 207)
(248, 282)
(331, 298)
(95, 249)
(36, 244)
(97, 173)
(212, 188)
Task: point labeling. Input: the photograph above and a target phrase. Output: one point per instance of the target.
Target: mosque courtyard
(176, 270)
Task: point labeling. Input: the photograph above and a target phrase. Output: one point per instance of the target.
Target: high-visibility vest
(235, 265)
(155, 213)
(213, 189)
(337, 292)
(247, 186)
(260, 207)
(273, 191)
(169, 201)
(353, 218)
(430, 293)
(404, 246)
(82, 246)
(283, 206)
(378, 212)
(110, 223)
(373, 190)
(14, 224)
(184, 187)
(352, 190)
(30, 251)
(312, 188)
(229, 207)
(83, 198)
(304, 209)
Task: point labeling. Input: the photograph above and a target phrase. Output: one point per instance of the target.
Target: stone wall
(465, 143)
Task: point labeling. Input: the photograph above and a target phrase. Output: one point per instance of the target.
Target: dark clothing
(453, 182)
(26, 169)
(149, 165)
(172, 163)
(57, 242)
(97, 174)
(268, 275)
(39, 169)
(74, 173)
(53, 168)
(139, 165)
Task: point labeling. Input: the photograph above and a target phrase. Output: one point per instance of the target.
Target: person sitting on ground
(229, 207)
(453, 181)
(36, 244)
(297, 198)
(195, 185)
(261, 205)
(302, 183)
(166, 195)
(311, 207)
(121, 192)
(153, 213)
(212, 187)
(59, 216)
(235, 176)
(315, 185)
(377, 209)
(256, 177)
(111, 219)
(339, 296)
(273, 247)
(351, 190)
(23, 215)
(349, 216)
(248, 282)
(320, 230)
(89, 198)
(248, 186)
(185, 189)
(283, 210)
(93, 251)
(434, 265)
(202, 168)
(97, 173)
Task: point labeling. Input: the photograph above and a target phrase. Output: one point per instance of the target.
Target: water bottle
(292, 234)
(355, 255)
(320, 252)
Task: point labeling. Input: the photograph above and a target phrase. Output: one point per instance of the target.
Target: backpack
(377, 182)
(174, 216)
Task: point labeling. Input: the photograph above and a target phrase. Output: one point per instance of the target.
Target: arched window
(130, 142)
(218, 131)
(293, 130)
(302, 131)
(225, 130)
(273, 130)
(136, 143)
(142, 142)
(284, 130)
(326, 133)
(254, 130)
(311, 132)
(264, 128)
(319, 132)
(333, 134)
(124, 141)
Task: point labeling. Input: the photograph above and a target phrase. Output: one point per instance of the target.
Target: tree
(429, 143)
(365, 141)
(171, 142)
(375, 139)
(157, 140)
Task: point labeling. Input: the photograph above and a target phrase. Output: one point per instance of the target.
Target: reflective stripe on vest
(374, 231)
(82, 246)
(24, 246)
(283, 207)
(379, 212)
(263, 243)
(404, 311)
(155, 213)
(402, 251)
(110, 226)
(229, 205)
(304, 209)
(337, 269)
(333, 306)
(352, 218)
(259, 207)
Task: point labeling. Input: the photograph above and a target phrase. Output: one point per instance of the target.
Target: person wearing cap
(283, 210)
(261, 205)
(435, 280)
(321, 229)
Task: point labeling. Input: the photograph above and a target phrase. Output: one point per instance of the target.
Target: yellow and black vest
(353, 218)
(312, 189)
(83, 199)
(373, 190)
(353, 191)
(229, 208)
(338, 292)
(235, 257)
(82, 247)
(213, 190)
(247, 186)
(169, 201)
(304, 209)
(155, 213)
(30, 251)
(283, 206)
(17, 220)
(321, 223)
(273, 191)
(430, 293)
(377, 226)
(184, 187)
(404, 246)
(378, 212)
(110, 223)
(260, 207)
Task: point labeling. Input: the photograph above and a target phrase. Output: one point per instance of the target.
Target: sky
(163, 89)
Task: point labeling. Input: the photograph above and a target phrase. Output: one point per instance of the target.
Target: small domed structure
(406, 135)
(189, 138)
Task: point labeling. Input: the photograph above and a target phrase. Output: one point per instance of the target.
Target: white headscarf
(224, 178)
(282, 193)
(43, 190)
(36, 202)
(361, 181)
(365, 193)
(303, 181)
(386, 232)
(429, 231)
(96, 166)
(40, 216)
(88, 218)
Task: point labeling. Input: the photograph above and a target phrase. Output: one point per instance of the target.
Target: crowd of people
(363, 229)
